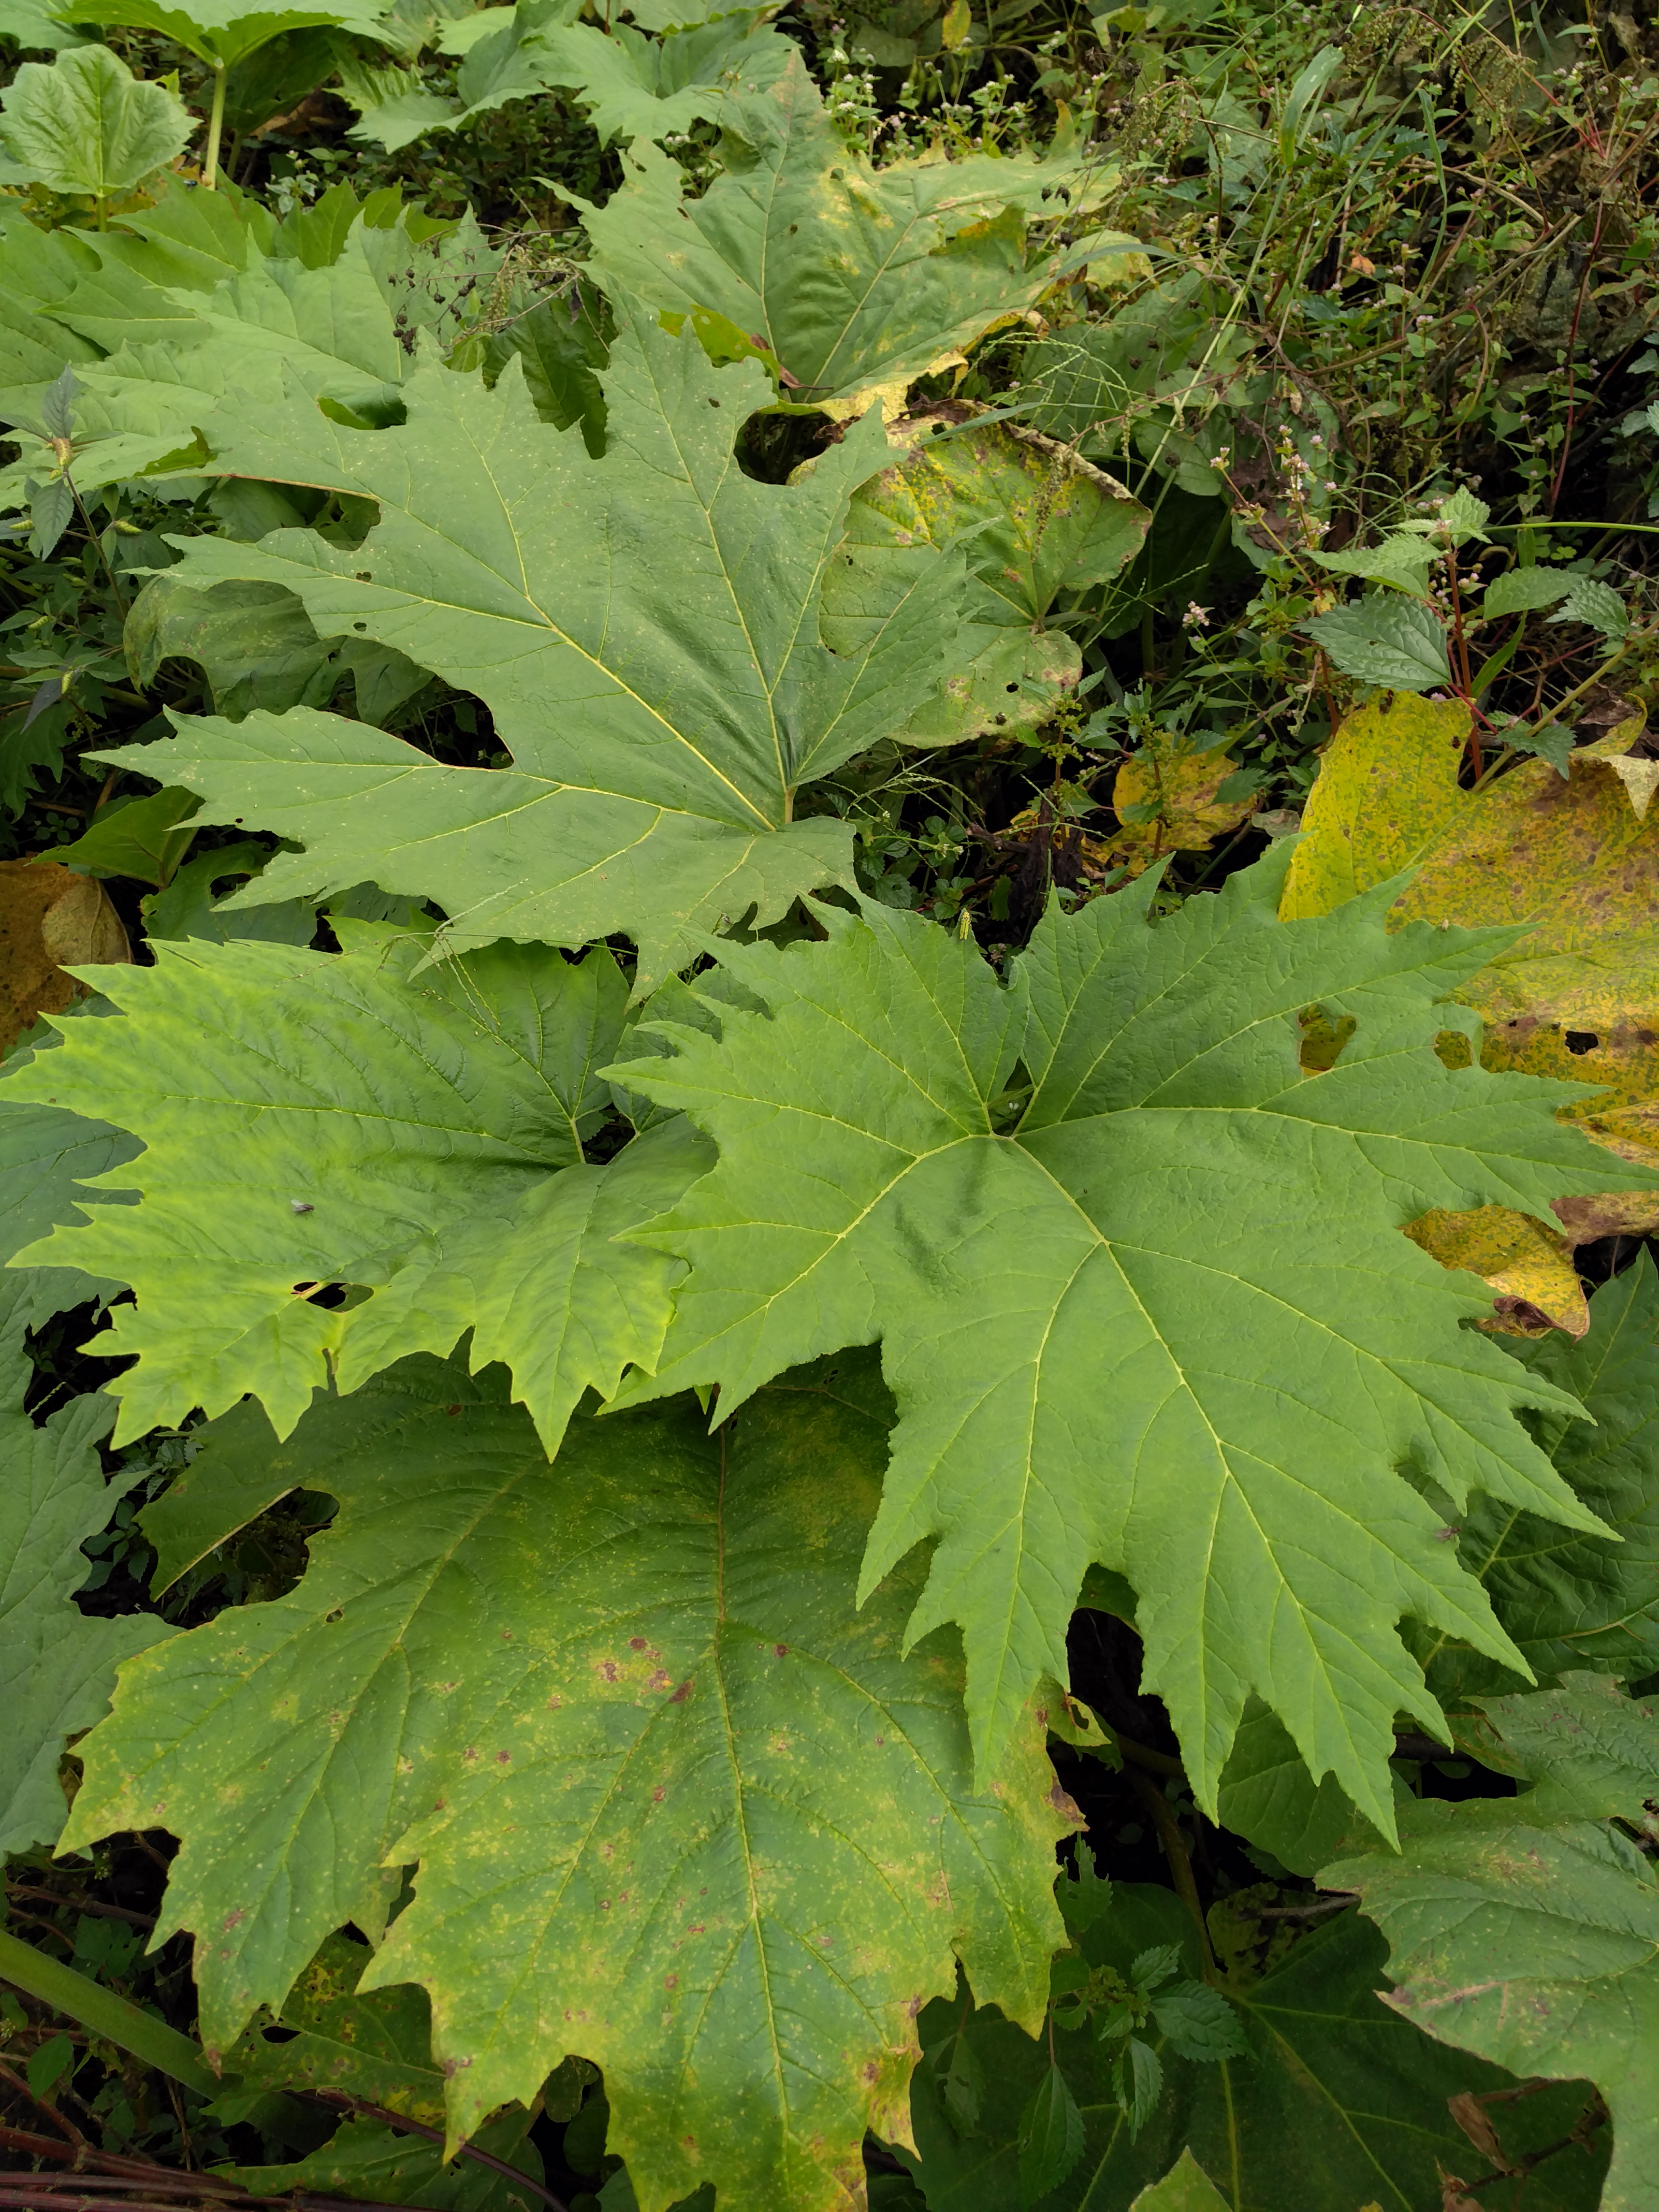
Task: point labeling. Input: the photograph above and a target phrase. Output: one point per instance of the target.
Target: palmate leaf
(1526, 1929)
(610, 1705)
(857, 279)
(508, 62)
(1572, 1601)
(340, 330)
(1336, 2102)
(636, 87)
(377, 2047)
(311, 1119)
(1169, 1324)
(83, 125)
(56, 1665)
(643, 628)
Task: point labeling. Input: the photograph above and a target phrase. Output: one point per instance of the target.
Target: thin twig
(339, 2098)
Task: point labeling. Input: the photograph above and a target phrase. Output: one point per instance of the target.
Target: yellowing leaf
(1569, 860)
(1182, 786)
(1037, 521)
(1529, 1265)
(50, 918)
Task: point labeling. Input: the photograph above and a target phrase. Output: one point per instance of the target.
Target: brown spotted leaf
(1568, 859)
(675, 1805)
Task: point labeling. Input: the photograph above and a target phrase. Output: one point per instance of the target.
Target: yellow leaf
(1183, 785)
(1574, 858)
(1529, 1266)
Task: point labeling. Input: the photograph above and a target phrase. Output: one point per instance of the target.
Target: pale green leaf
(1037, 522)
(1524, 1931)
(1386, 639)
(506, 62)
(1078, 1319)
(255, 646)
(1597, 606)
(83, 124)
(1402, 561)
(921, 269)
(224, 32)
(313, 1119)
(636, 87)
(56, 1665)
(1520, 591)
(341, 331)
(1185, 2188)
(643, 628)
(1337, 2105)
(367, 2160)
(610, 1706)
(29, 24)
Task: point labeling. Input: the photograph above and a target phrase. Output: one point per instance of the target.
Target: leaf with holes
(312, 1120)
(644, 628)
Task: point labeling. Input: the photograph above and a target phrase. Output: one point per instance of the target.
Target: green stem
(216, 127)
(104, 2013)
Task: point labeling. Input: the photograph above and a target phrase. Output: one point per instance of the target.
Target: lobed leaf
(1167, 1323)
(610, 1706)
(312, 1119)
(56, 1663)
(857, 279)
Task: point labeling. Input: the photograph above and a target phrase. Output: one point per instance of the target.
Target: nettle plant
(738, 1322)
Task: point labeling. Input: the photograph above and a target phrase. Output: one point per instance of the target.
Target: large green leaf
(224, 32)
(643, 628)
(57, 1664)
(311, 1119)
(1167, 1323)
(611, 1706)
(84, 124)
(1572, 1601)
(1039, 521)
(508, 62)
(1526, 1929)
(1337, 2105)
(854, 277)
(343, 331)
(636, 87)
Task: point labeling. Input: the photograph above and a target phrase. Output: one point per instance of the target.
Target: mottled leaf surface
(857, 279)
(1038, 522)
(609, 1707)
(1167, 1323)
(1566, 859)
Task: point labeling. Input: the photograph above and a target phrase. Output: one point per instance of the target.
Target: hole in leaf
(1323, 1036)
(1581, 1040)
